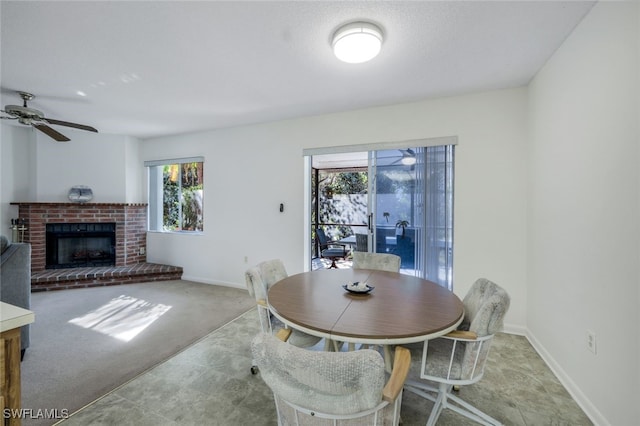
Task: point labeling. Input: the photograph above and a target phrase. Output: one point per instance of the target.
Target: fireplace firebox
(77, 245)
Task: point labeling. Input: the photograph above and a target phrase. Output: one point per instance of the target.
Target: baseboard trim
(212, 282)
(515, 329)
(576, 393)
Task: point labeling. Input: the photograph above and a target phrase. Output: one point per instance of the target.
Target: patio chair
(330, 249)
(379, 261)
(337, 388)
(459, 358)
(259, 279)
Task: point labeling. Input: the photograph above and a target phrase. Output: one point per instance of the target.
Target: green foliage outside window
(182, 197)
(344, 182)
(342, 201)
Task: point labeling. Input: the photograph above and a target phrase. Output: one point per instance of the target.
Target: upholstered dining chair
(259, 279)
(331, 250)
(380, 261)
(336, 388)
(459, 358)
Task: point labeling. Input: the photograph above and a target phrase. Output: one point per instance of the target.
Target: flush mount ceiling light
(357, 42)
(408, 157)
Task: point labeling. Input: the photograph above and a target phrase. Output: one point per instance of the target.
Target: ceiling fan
(33, 117)
(408, 157)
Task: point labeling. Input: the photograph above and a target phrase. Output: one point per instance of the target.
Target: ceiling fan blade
(74, 125)
(51, 133)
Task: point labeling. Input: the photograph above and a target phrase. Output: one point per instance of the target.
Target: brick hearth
(62, 279)
(130, 250)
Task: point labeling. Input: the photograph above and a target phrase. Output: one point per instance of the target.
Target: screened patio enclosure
(397, 201)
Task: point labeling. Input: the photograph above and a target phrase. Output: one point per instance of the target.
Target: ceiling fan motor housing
(24, 112)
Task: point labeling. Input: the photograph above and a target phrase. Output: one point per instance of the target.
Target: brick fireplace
(130, 244)
(130, 220)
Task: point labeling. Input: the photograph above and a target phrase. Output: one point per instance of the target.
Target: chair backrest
(259, 279)
(485, 306)
(452, 359)
(262, 276)
(362, 242)
(315, 385)
(322, 238)
(380, 261)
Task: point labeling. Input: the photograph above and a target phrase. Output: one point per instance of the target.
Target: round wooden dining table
(400, 309)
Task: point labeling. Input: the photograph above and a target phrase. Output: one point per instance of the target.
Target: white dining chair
(379, 261)
(259, 279)
(459, 358)
(330, 388)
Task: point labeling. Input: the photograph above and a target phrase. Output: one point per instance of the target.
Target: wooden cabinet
(11, 319)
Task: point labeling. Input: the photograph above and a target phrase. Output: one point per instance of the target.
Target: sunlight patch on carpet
(124, 317)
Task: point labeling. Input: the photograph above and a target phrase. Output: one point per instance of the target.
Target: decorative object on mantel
(80, 194)
(18, 228)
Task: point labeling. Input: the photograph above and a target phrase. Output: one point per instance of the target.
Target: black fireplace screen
(75, 245)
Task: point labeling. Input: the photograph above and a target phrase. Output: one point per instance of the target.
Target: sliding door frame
(308, 153)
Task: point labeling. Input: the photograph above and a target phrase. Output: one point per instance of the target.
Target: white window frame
(155, 222)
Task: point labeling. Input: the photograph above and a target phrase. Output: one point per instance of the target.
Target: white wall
(250, 170)
(100, 161)
(135, 174)
(16, 147)
(36, 168)
(583, 271)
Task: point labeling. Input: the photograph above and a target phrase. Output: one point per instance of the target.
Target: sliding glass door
(408, 194)
(394, 206)
(412, 204)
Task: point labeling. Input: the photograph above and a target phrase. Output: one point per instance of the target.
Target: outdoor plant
(402, 224)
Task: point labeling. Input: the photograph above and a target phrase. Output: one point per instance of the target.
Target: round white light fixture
(408, 161)
(408, 157)
(357, 42)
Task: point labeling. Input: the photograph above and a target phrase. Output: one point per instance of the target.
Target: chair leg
(328, 345)
(332, 345)
(439, 404)
(388, 358)
(445, 399)
(471, 412)
(421, 389)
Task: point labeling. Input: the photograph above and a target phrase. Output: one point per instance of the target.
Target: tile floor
(210, 383)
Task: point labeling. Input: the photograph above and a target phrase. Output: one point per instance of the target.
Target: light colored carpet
(86, 342)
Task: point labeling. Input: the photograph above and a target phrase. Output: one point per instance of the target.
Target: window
(176, 194)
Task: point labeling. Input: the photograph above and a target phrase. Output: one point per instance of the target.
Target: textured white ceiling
(152, 68)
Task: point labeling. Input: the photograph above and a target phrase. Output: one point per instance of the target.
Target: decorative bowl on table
(358, 287)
